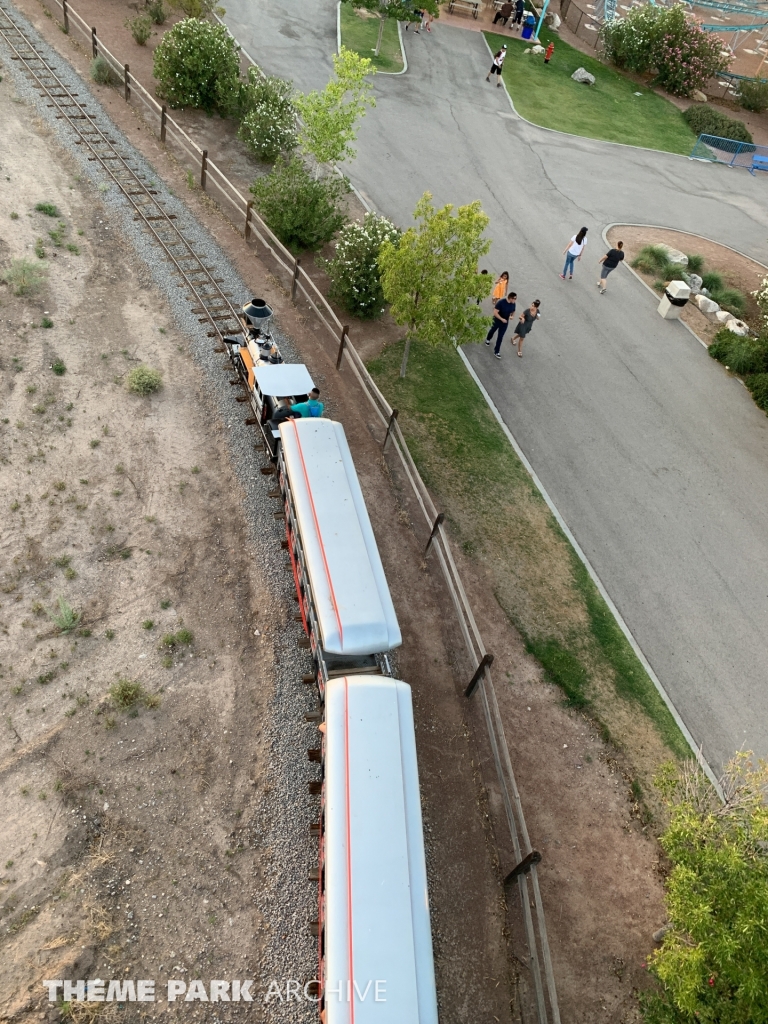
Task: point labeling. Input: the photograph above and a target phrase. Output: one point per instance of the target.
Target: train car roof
(376, 903)
(283, 379)
(352, 599)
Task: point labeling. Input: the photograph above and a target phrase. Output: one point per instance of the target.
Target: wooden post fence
(66, 17)
(295, 279)
(390, 428)
(126, 71)
(248, 208)
(94, 44)
(204, 169)
(342, 346)
(163, 120)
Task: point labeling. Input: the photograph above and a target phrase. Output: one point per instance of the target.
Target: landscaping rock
(537, 49)
(737, 327)
(674, 255)
(582, 75)
(552, 20)
(699, 96)
(527, 50)
(723, 316)
(694, 283)
(706, 305)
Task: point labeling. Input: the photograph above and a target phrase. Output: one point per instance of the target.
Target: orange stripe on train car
(245, 355)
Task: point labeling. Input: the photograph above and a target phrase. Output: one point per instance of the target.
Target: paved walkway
(657, 461)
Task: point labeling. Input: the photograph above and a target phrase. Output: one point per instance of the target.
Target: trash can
(675, 296)
(529, 26)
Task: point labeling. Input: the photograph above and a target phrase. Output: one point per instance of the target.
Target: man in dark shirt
(610, 261)
(519, 8)
(503, 14)
(502, 311)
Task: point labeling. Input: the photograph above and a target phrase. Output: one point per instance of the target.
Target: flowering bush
(268, 125)
(197, 65)
(304, 212)
(761, 295)
(665, 41)
(354, 269)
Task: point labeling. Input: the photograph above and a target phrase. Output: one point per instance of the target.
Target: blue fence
(731, 152)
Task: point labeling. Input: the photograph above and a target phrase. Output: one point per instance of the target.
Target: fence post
(390, 428)
(436, 526)
(127, 70)
(525, 865)
(66, 17)
(342, 346)
(94, 44)
(203, 169)
(295, 279)
(485, 662)
(163, 118)
(248, 208)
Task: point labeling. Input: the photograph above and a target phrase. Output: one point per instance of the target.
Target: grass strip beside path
(609, 110)
(360, 34)
(499, 518)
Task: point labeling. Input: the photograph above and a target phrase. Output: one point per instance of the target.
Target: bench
(759, 163)
(464, 5)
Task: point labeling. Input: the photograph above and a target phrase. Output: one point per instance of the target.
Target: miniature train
(374, 939)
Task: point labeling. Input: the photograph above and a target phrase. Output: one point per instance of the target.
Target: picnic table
(465, 5)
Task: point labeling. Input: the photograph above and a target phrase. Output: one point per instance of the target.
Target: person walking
(502, 312)
(498, 60)
(610, 261)
(500, 287)
(525, 323)
(504, 12)
(573, 251)
(426, 20)
(518, 19)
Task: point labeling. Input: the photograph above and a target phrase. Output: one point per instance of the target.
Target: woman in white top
(573, 252)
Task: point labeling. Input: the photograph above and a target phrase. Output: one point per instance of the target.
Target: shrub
(144, 381)
(197, 65)
(156, 11)
(731, 299)
(664, 41)
(58, 367)
(354, 269)
(141, 28)
(102, 74)
(65, 618)
(198, 8)
(127, 694)
(703, 120)
(741, 355)
(25, 277)
(49, 209)
(268, 126)
(712, 281)
(304, 212)
(695, 263)
(758, 388)
(753, 96)
(653, 259)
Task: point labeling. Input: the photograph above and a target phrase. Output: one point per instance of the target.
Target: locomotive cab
(272, 385)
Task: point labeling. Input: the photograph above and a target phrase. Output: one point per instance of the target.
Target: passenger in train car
(285, 411)
(312, 407)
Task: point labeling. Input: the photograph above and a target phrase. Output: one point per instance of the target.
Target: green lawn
(609, 110)
(360, 34)
(499, 519)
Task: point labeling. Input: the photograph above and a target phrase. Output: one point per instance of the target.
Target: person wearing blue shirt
(312, 407)
(502, 311)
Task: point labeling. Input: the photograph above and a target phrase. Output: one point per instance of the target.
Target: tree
(197, 65)
(304, 212)
(712, 963)
(330, 116)
(431, 278)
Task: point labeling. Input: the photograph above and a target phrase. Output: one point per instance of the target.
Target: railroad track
(210, 303)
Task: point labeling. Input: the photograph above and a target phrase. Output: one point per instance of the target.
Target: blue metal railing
(731, 152)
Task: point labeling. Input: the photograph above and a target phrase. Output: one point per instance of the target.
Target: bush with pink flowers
(668, 42)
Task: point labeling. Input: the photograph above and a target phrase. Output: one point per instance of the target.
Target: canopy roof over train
(376, 904)
(283, 380)
(352, 600)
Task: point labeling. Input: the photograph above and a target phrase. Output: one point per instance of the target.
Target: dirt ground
(601, 911)
(118, 823)
(738, 271)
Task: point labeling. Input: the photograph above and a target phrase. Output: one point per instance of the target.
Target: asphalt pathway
(657, 460)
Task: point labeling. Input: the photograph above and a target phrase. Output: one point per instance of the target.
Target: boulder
(528, 50)
(582, 75)
(699, 96)
(706, 305)
(723, 316)
(737, 327)
(674, 255)
(695, 283)
(552, 20)
(537, 49)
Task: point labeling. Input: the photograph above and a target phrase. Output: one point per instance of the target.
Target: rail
(214, 306)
